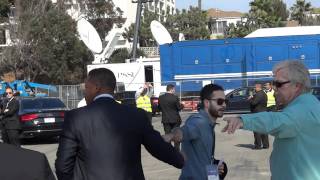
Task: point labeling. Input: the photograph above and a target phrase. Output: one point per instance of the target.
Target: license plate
(49, 120)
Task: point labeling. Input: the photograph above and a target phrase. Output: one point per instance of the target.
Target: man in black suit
(103, 139)
(258, 103)
(10, 119)
(170, 107)
(19, 163)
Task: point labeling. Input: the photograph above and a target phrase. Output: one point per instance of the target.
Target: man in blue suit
(103, 139)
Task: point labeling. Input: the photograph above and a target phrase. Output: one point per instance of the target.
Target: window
(222, 25)
(46, 103)
(242, 92)
(2, 36)
(218, 27)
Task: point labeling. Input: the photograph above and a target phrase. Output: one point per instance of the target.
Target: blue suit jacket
(103, 141)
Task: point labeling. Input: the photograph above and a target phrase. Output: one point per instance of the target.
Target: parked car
(41, 116)
(126, 98)
(238, 99)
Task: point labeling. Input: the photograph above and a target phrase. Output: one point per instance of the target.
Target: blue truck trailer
(235, 62)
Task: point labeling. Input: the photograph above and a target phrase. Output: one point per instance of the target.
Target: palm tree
(299, 10)
(263, 13)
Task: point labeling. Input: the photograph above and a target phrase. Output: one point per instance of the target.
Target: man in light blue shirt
(296, 129)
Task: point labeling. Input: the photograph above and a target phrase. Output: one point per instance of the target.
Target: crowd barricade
(188, 91)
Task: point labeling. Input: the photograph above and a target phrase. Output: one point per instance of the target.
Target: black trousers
(11, 136)
(149, 115)
(271, 108)
(168, 128)
(261, 139)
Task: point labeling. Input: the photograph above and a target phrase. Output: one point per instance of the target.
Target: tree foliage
(145, 36)
(102, 14)
(192, 23)
(312, 21)
(316, 10)
(4, 10)
(262, 14)
(299, 10)
(239, 30)
(45, 45)
(120, 55)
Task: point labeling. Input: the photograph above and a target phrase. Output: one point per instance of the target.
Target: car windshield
(42, 104)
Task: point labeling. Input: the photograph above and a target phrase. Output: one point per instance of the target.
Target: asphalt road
(243, 162)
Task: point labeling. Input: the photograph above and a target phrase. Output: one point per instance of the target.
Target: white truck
(133, 75)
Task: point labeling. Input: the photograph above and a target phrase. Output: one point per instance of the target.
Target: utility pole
(137, 27)
(199, 4)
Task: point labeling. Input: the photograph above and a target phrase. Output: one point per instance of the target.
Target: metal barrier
(72, 94)
(69, 94)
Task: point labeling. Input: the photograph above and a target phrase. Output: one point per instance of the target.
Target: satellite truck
(132, 75)
(232, 63)
(239, 62)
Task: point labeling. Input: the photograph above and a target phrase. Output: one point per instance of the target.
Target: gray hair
(296, 73)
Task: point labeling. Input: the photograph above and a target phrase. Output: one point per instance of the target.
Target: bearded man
(198, 137)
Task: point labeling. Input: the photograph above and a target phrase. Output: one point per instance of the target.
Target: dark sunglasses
(220, 101)
(8, 92)
(278, 84)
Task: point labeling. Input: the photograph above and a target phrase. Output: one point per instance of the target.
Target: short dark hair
(170, 87)
(208, 89)
(8, 87)
(103, 77)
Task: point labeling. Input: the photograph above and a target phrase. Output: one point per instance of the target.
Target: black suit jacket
(19, 163)
(170, 107)
(259, 102)
(103, 141)
(11, 117)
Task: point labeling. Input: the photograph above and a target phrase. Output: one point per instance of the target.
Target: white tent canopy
(285, 31)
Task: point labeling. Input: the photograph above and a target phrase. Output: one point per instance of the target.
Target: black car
(126, 98)
(41, 116)
(238, 99)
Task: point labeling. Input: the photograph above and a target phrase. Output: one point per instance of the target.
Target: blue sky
(231, 5)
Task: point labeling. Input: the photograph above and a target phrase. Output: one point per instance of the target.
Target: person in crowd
(271, 104)
(258, 103)
(10, 119)
(147, 88)
(170, 106)
(20, 163)
(103, 139)
(144, 102)
(198, 137)
(295, 129)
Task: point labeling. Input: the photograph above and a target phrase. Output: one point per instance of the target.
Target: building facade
(219, 21)
(160, 7)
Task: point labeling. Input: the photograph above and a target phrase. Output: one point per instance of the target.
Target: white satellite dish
(89, 36)
(160, 33)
